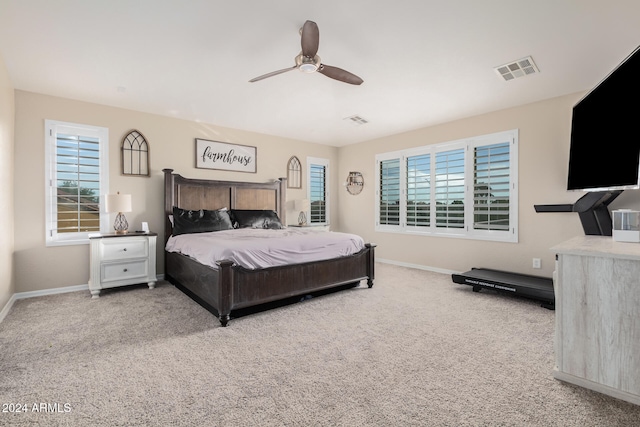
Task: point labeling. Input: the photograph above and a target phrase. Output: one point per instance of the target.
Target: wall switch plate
(537, 263)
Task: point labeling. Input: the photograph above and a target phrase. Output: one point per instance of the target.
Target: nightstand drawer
(114, 249)
(124, 270)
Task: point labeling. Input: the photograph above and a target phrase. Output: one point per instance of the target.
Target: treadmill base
(522, 285)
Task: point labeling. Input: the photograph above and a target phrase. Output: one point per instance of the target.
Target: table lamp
(119, 203)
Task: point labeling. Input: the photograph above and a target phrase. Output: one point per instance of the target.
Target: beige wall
(544, 136)
(7, 285)
(544, 130)
(172, 145)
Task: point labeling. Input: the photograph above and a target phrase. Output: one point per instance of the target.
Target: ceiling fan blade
(273, 73)
(340, 74)
(310, 39)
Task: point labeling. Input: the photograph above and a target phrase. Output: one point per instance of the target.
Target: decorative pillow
(255, 219)
(200, 221)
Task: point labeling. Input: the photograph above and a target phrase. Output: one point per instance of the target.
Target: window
(491, 187)
(318, 174)
(418, 198)
(450, 188)
(463, 188)
(389, 192)
(76, 176)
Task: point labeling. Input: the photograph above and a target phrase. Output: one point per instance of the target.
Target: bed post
(225, 290)
(282, 202)
(370, 264)
(168, 208)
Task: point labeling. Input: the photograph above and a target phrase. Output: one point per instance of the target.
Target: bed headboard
(187, 193)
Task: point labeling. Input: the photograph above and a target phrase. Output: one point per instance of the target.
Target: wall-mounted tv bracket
(593, 210)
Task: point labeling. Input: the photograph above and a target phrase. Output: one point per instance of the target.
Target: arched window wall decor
(294, 173)
(135, 154)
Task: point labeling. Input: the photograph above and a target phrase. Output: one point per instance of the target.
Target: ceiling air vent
(356, 120)
(520, 68)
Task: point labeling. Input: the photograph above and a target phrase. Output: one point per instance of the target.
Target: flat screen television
(605, 132)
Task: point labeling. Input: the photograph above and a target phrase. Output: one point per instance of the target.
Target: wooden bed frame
(231, 287)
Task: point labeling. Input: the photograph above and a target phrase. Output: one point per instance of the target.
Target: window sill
(506, 237)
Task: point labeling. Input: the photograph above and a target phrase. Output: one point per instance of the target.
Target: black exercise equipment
(593, 209)
(523, 285)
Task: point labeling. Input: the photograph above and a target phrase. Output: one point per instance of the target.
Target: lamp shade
(302, 205)
(118, 202)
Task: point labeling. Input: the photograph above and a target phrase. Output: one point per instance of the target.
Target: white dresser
(121, 259)
(597, 340)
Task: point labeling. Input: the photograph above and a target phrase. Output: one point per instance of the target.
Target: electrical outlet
(537, 263)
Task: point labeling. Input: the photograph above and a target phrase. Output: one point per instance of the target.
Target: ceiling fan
(309, 62)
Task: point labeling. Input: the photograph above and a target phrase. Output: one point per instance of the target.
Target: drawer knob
(125, 270)
(125, 249)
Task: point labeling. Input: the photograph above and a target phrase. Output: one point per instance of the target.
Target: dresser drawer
(125, 248)
(111, 272)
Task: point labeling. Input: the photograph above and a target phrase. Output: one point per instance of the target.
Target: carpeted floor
(415, 350)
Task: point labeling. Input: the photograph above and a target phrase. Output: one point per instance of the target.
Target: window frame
(467, 231)
(52, 128)
(316, 161)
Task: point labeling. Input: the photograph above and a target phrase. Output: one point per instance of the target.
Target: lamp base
(302, 218)
(121, 226)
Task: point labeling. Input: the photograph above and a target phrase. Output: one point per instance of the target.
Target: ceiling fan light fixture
(307, 64)
(307, 68)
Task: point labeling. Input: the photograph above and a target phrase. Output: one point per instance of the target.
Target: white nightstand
(323, 227)
(121, 259)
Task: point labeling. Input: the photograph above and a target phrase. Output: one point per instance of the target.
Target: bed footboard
(231, 287)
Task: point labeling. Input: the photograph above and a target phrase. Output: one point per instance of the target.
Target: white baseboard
(43, 292)
(7, 307)
(417, 266)
(22, 295)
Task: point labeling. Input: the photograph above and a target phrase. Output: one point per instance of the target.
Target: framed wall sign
(225, 156)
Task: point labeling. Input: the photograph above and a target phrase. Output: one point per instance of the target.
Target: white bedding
(258, 248)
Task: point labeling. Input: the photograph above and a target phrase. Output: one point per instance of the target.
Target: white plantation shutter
(389, 192)
(419, 190)
(77, 183)
(491, 187)
(318, 190)
(450, 189)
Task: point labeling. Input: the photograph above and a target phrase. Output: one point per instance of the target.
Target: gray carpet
(415, 350)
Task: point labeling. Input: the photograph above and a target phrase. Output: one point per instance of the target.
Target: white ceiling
(423, 61)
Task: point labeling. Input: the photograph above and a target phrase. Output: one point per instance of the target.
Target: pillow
(255, 219)
(200, 221)
(219, 210)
